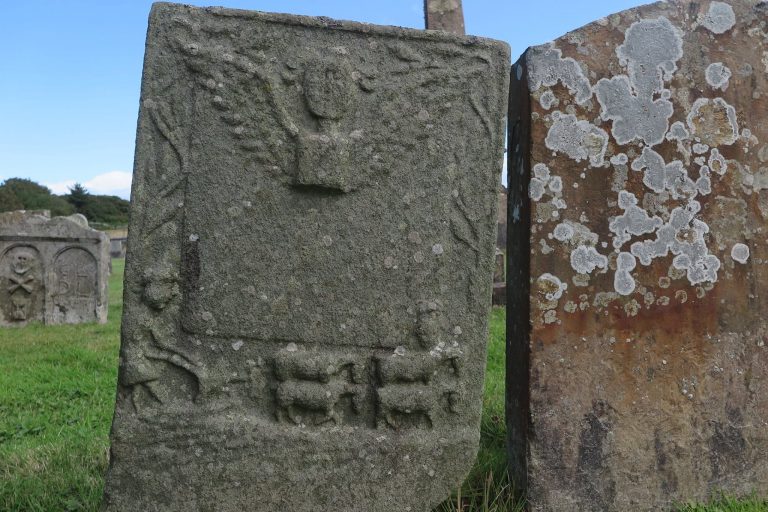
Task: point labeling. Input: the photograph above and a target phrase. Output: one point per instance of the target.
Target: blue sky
(70, 71)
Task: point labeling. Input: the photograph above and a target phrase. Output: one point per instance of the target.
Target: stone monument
(309, 266)
(637, 359)
(52, 271)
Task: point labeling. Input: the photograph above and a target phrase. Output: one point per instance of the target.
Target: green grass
(57, 387)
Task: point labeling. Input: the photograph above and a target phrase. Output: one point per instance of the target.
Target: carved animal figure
(414, 368)
(409, 400)
(297, 396)
(314, 366)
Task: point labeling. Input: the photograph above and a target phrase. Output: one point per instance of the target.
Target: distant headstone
(117, 247)
(637, 363)
(52, 271)
(309, 267)
(499, 282)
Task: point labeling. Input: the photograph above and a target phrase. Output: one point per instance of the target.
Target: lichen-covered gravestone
(638, 277)
(52, 271)
(310, 264)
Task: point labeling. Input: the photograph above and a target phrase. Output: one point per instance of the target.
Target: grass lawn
(57, 387)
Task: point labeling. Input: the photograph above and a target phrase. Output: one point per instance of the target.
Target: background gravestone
(638, 285)
(310, 263)
(52, 271)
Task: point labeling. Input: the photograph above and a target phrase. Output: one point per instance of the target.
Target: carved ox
(416, 368)
(410, 400)
(316, 367)
(296, 396)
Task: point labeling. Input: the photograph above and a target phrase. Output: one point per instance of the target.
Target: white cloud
(115, 183)
(504, 172)
(110, 183)
(60, 188)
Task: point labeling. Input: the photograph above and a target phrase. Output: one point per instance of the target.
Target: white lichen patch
(717, 162)
(579, 139)
(718, 75)
(547, 100)
(740, 253)
(673, 177)
(552, 287)
(637, 103)
(542, 172)
(620, 159)
(623, 282)
(543, 183)
(678, 132)
(563, 232)
(700, 149)
(683, 236)
(556, 185)
(634, 221)
(584, 260)
(538, 184)
(714, 122)
(547, 67)
(582, 235)
(719, 19)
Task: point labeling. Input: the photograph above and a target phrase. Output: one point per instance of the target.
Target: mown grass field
(57, 387)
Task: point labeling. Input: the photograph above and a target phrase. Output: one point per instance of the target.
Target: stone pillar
(309, 265)
(638, 200)
(445, 15)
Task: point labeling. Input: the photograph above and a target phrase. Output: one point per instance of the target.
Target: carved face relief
(328, 89)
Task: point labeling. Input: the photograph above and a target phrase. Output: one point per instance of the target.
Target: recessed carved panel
(23, 290)
(76, 280)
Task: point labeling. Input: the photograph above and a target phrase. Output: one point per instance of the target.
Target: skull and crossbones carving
(25, 283)
(21, 277)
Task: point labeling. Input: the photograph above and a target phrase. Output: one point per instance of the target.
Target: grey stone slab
(309, 265)
(52, 271)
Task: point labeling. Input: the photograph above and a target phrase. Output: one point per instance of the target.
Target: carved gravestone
(638, 285)
(309, 267)
(52, 271)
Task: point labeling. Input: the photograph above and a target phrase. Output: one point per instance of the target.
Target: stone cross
(637, 286)
(309, 265)
(52, 271)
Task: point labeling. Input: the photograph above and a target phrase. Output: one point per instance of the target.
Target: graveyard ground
(57, 387)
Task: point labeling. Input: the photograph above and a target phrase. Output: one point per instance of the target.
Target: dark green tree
(104, 211)
(78, 197)
(34, 196)
(8, 200)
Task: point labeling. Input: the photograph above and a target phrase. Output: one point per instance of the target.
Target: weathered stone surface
(638, 279)
(52, 271)
(309, 265)
(445, 15)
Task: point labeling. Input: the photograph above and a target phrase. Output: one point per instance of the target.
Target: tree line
(102, 211)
